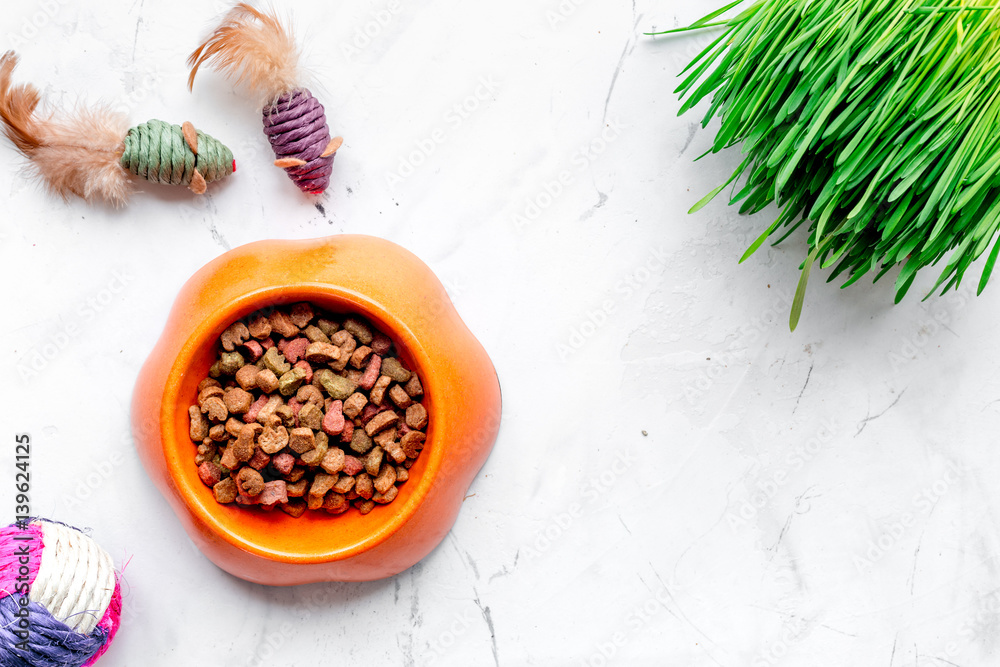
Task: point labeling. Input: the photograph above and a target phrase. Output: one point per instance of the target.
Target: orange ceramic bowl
(402, 297)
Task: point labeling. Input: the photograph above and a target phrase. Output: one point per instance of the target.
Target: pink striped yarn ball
(60, 597)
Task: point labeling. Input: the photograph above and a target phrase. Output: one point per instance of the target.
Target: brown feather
(253, 48)
(76, 153)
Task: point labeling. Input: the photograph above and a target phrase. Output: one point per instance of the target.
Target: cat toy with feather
(253, 48)
(91, 152)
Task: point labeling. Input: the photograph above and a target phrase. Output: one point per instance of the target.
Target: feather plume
(76, 153)
(254, 49)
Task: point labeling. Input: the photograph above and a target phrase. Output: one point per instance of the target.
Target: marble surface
(678, 479)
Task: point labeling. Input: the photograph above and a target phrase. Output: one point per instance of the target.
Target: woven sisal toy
(60, 598)
(258, 52)
(91, 152)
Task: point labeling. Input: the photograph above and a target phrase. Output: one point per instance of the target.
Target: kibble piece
(295, 349)
(359, 330)
(301, 439)
(333, 422)
(211, 473)
(387, 497)
(315, 334)
(237, 400)
(290, 382)
(382, 421)
(297, 489)
(283, 463)
(402, 474)
(298, 472)
(274, 492)
(228, 458)
(243, 447)
(386, 478)
(395, 370)
(254, 349)
(246, 377)
(209, 392)
(371, 374)
(301, 314)
(381, 344)
(344, 484)
(249, 482)
(373, 461)
(206, 383)
(310, 394)
(365, 506)
(259, 327)
(378, 391)
(286, 413)
(230, 362)
(259, 460)
(282, 324)
(400, 397)
(353, 465)
(233, 336)
(206, 452)
(199, 425)
(395, 451)
(412, 443)
(363, 485)
(413, 387)
(255, 408)
(328, 327)
(354, 404)
(267, 381)
(315, 455)
(293, 508)
(215, 409)
(322, 483)
(311, 416)
(333, 460)
(275, 362)
(225, 491)
(322, 353)
(336, 503)
(234, 426)
(416, 416)
(273, 439)
(359, 358)
(336, 386)
(348, 433)
(218, 433)
(385, 437)
(215, 370)
(270, 408)
(360, 442)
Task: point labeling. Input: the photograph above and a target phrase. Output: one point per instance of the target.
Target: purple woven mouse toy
(254, 48)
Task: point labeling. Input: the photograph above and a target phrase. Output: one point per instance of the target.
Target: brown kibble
(206, 383)
(267, 381)
(286, 414)
(293, 508)
(381, 344)
(382, 421)
(385, 437)
(378, 391)
(246, 377)
(322, 353)
(301, 440)
(365, 506)
(282, 324)
(310, 394)
(259, 327)
(359, 357)
(301, 315)
(386, 478)
(412, 443)
(228, 458)
(373, 461)
(297, 489)
(400, 397)
(225, 491)
(311, 416)
(360, 442)
(363, 485)
(234, 335)
(402, 474)
(344, 484)
(358, 329)
(273, 439)
(298, 472)
(416, 416)
(395, 451)
(218, 433)
(328, 327)
(234, 426)
(315, 455)
(333, 460)
(315, 334)
(395, 370)
(208, 392)
(199, 425)
(354, 404)
(230, 362)
(336, 503)
(413, 387)
(270, 408)
(387, 497)
(314, 502)
(322, 483)
(215, 409)
(243, 447)
(249, 482)
(237, 400)
(206, 452)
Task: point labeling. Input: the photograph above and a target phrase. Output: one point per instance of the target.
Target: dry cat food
(307, 410)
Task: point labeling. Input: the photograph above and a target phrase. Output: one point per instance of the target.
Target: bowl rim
(337, 299)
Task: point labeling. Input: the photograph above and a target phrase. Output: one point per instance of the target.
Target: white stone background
(813, 498)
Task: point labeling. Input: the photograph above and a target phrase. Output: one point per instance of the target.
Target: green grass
(874, 123)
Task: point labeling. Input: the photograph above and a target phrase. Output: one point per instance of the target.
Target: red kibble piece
(274, 492)
(371, 373)
(352, 465)
(380, 343)
(210, 473)
(255, 349)
(348, 432)
(294, 404)
(259, 460)
(283, 463)
(255, 408)
(304, 365)
(267, 344)
(333, 422)
(295, 349)
(370, 411)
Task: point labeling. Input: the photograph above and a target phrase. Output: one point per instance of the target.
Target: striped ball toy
(60, 597)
